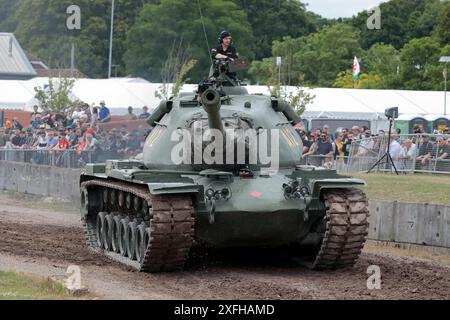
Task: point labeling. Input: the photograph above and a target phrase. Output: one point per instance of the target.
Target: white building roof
(14, 63)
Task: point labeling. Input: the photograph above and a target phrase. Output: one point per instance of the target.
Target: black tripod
(387, 155)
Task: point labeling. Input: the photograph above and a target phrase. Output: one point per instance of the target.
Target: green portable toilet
(406, 123)
(440, 123)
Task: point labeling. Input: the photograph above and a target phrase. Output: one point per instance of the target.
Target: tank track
(168, 221)
(346, 229)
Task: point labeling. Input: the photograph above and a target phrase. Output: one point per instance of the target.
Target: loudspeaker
(391, 113)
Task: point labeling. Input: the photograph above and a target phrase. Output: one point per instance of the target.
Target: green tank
(185, 191)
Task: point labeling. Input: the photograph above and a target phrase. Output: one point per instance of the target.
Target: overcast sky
(340, 8)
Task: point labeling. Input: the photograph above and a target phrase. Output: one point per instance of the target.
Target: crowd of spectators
(78, 132)
(322, 147)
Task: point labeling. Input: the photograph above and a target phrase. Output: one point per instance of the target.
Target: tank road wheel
(100, 226)
(121, 199)
(107, 232)
(137, 204)
(129, 201)
(123, 234)
(131, 243)
(105, 197)
(145, 212)
(346, 229)
(113, 197)
(140, 243)
(116, 234)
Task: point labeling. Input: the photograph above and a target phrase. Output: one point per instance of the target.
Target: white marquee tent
(119, 93)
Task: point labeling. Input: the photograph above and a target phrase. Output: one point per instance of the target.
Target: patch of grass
(14, 286)
(417, 188)
(32, 201)
(415, 253)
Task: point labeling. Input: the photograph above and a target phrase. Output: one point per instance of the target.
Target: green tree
(261, 71)
(274, 19)
(364, 81)
(420, 69)
(56, 97)
(401, 21)
(41, 29)
(383, 66)
(7, 19)
(326, 53)
(316, 59)
(159, 26)
(442, 30)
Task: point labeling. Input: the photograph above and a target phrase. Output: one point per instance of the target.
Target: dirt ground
(45, 242)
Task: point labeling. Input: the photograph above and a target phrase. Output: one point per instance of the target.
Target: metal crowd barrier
(363, 156)
(422, 156)
(63, 159)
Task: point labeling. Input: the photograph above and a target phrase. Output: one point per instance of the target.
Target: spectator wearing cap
(104, 115)
(130, 115)
(145, 114)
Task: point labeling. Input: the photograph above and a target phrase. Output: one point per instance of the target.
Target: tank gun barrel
(211, 104)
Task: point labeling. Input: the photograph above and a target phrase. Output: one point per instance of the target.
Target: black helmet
(224, 34)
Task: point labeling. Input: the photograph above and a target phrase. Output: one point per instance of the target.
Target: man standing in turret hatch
(225, 51)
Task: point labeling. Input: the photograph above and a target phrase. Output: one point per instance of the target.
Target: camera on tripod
(391, 113)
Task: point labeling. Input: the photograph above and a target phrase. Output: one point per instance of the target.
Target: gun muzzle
(211, 104)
